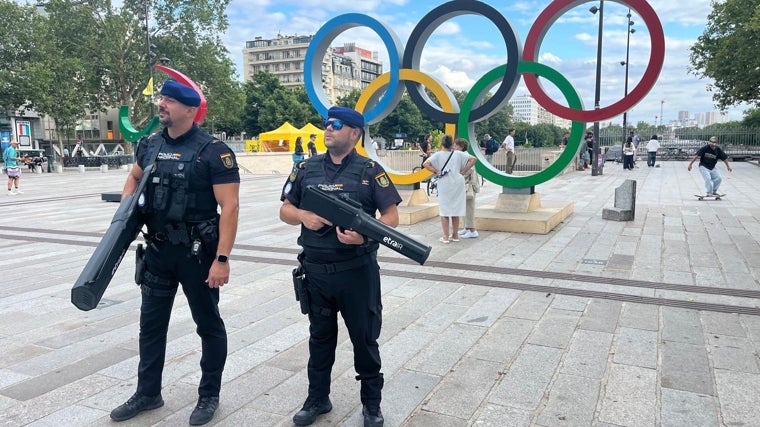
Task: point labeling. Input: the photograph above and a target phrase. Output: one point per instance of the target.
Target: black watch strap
(222, 258)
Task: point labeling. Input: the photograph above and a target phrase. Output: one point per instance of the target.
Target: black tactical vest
(347, 181)
(174, 194)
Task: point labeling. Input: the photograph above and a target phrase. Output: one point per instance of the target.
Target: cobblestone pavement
(653, 322)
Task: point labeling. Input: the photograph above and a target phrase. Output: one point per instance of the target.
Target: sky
(461, 50)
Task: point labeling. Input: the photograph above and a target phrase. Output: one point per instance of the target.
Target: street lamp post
(149, 54)
(629, 31)
(662, 103)
(595, 168)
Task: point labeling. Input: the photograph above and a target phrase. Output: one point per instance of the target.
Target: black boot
(204, 410)
(312, 408)
(373, 416)
(136, 404)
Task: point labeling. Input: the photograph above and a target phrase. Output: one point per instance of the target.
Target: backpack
(492, 146)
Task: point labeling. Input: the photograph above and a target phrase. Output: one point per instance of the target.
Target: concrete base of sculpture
(415, 206)
(522, 213)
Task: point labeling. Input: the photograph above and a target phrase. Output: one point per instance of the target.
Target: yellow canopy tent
(320, 141)
(281, 139)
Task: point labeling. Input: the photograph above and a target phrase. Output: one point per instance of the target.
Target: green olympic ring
(466, 130)
(128, 131)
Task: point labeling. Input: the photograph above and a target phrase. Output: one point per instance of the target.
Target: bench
(625, 203)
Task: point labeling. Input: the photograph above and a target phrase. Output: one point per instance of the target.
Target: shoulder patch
(382, 180)
(294, 171)
(371, 164)
(227, 160)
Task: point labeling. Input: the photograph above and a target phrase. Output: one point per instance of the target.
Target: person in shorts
(12, 169)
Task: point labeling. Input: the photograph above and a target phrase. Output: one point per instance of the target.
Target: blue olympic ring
(321, 42)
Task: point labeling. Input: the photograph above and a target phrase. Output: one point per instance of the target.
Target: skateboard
(702, 196)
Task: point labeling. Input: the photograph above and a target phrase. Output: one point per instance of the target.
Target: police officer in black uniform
(341, 270)
(188, 243)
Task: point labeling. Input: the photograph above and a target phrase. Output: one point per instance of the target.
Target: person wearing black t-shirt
(708, 157)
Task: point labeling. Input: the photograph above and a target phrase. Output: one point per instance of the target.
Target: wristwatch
(222, 259)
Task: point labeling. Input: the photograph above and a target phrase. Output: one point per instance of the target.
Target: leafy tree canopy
(70, 56)
(727, 52)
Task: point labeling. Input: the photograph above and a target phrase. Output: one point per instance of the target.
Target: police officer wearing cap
(341, 270)
(188, 243)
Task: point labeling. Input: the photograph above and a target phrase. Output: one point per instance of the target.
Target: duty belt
(337, 267)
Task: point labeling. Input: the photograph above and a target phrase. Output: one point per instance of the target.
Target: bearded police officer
(341, 270)
(188, 243)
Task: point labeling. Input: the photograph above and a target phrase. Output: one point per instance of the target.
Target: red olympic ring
(656, 59)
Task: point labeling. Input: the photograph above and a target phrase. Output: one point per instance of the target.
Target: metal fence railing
(113, 161)
(528, 159)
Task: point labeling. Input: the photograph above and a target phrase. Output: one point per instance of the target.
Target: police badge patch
(382, 180)
(227, 160)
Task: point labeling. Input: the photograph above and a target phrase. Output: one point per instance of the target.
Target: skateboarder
(708, 158)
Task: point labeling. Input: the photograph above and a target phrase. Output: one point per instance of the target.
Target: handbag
(443, 169)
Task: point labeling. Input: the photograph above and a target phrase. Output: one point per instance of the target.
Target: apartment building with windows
(344, 69)
(526, 109)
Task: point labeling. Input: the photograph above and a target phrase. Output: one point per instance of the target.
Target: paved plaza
(652, 322)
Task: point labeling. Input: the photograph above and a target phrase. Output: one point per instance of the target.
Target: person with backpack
(491, 146)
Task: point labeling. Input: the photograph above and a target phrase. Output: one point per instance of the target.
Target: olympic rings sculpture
(383, 94)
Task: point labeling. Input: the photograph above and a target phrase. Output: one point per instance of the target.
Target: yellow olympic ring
(448, 104)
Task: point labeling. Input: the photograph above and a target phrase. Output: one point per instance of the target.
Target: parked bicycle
(431, 183)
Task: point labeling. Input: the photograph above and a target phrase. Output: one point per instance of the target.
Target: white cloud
(459, 52)
(458, 80)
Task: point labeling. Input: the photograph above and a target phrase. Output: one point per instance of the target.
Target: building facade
(526, 109)
(344, 69)
(94, 132)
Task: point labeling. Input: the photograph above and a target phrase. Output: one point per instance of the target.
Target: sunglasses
(336, 124)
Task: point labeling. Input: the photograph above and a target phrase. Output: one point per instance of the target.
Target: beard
(166, 120)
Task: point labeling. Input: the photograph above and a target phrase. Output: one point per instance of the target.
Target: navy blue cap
(349, 116)
(182, 93)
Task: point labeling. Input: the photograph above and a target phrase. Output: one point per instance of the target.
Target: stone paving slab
(489, 353)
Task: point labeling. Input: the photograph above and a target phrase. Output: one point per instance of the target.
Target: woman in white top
(628, 152)
(449, 165)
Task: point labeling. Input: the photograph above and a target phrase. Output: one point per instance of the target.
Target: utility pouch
(208, 234)
(299, 286)
(140, 264)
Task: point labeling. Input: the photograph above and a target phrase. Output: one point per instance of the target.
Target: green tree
(66, 85)
(313, 117)
(727, 52)
(18, 45)
(405, 118)
(283, 106)
(257, 91)
(751, 118)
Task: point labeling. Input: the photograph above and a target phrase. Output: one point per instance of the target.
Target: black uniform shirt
(216, 163)
(376, 183)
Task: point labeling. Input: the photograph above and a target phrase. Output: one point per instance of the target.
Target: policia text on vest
(346, 213)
